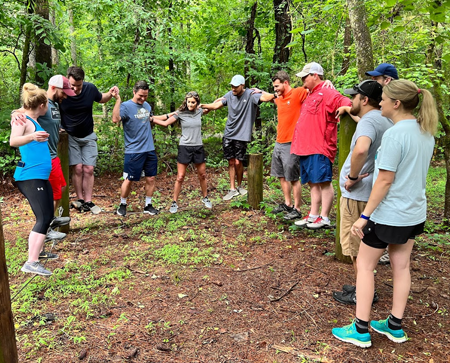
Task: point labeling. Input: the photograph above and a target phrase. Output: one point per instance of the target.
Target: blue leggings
(40, 196)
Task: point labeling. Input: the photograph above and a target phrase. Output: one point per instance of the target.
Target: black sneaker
(349, 298)
(282, 208)
(48, 256)
(150, 210)
(122, 210)
(91, 207)
(348, 288)
(293, 214)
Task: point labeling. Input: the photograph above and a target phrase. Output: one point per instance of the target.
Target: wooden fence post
(8, 348)
(63, 153)
(347, 128)
(255, 180)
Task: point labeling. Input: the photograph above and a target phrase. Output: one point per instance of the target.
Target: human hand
(358, 226)
(255, 90)
(40, 136)
(341, 110)
(328, 84)
(350, 183)
(18, 119)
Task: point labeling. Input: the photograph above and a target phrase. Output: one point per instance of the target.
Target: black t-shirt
(76, 111)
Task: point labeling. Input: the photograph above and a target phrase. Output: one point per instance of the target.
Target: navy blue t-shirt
(76, 111)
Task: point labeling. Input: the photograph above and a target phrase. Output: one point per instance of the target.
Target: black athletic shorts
(191, 154)
(380, 235)
(234, 149)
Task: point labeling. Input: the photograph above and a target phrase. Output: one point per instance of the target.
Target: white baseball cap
(62, 82)
(237, 80)
(311, 68)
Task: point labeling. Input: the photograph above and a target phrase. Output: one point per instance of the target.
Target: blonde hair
(409, 95)
(33, 96)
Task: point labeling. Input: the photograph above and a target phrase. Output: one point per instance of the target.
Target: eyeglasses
(192, 94)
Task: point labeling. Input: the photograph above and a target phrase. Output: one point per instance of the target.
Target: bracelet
(365, 217)
(167, 116)
(350, 178)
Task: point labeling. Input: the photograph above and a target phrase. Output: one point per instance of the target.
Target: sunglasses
(192, 94)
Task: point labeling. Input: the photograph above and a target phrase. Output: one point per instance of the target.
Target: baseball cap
(311, 68)
(237, 80)
(384, 69)
(369, 88)
(62, 82)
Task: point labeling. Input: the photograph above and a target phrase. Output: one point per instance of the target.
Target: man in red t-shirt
(315, 141)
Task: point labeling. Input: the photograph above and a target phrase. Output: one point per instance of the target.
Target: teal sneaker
(397, 336)
(349, 334)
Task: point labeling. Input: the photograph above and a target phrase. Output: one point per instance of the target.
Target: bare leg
(125, 188)
(181, 173)
(88, 182)
(239, 171)
(286, 188)
(201, 171)
(150, 185)
(77, 180)
(35, 245)
(297, 191)
(232, 172)
(327, 198)
(316, 198)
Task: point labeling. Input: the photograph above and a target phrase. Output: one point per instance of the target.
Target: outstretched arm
(116, 110)
(108, 95)
(164, 120)
(212, 106)
(265, 96)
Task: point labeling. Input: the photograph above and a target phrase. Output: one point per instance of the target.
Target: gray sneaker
(293, 214)
(51, 235)
(59, 221)
(35, 268)
(48, 256)
(173, 207)
(242, 191)
(231, 194)
(207, 202)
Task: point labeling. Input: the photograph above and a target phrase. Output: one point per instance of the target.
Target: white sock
(148, 200)
(325, 219)
(123, 200)
(313, 216)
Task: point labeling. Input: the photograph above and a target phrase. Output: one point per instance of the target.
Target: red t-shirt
(288, 109)
(316, 129)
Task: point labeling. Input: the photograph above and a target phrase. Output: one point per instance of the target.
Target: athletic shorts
(284, 164)
(380, 235)
(234, 149)
(350, 212)
(191, 154)
(56, 179)
(83, 150)
(136, 163)
(315, 169)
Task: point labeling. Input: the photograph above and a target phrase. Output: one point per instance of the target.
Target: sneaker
(231, 194)
(150, 210)
(318, 223)
(59, 221)
(382, 327)
(281, 209)
(35, 268)
(207, 202)
(91, 207)
(242, 191)
(48, 256)
(303, 222)
(173, 207)
(348, 288)
(51, 235)
(384, 260)
(349, 297)
(77, 204)
(122, 210)
(294, 214)
(349, 334)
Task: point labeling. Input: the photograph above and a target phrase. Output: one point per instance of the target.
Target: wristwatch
(350, 178)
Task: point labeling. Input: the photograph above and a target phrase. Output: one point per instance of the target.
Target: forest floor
(224, 285)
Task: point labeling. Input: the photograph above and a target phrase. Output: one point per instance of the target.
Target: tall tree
(283, 36)
(42, 43)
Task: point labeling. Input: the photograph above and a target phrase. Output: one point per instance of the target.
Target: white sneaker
(242, 191)
(319, 223)
(173, 207)
(303, 222)
(231, 194)
(207, 202)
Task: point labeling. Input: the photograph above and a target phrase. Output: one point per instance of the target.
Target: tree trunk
(250, 44)
(43, 48)
(347, 45)
(25, 58)
(363, 42)
(73, 43)
(55, 55)
(283, 36)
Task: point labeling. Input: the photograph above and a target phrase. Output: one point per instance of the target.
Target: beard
(355, 110)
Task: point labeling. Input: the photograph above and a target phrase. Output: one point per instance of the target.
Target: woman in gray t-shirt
(190, 149)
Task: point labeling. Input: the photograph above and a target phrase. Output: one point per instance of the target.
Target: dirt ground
(266, 300)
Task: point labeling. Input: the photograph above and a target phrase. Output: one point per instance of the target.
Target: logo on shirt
(288, 102)
(142, 114)
(55, 114)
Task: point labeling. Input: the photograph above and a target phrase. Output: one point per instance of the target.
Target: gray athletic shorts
(83, 150)
(284, 164)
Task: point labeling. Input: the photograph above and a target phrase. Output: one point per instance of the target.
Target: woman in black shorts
(190, 149)
(396, 210)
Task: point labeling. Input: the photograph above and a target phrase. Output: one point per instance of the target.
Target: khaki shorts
(350, 213)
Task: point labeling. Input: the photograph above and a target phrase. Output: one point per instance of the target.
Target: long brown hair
(191, 94)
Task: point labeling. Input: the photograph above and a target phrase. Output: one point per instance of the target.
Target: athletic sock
(326, 219)
(394, 323)
(148, 200)
(362, 326)
(123, 200)
(313, 216)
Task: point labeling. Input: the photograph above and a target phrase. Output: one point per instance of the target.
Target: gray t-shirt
(191, 127)
(241, 115)
(407, 151)
(51, 122)
(136, 127)
(372, 125)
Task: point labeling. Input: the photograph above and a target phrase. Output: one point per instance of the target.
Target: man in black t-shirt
(77, 120)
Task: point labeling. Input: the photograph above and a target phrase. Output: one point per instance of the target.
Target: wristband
(167, 117)
(352, 179)
(364, 217)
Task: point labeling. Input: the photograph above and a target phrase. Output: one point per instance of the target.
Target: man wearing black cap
(357, 172)
(384, 73)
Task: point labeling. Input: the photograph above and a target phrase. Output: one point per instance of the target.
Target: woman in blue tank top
(32, 173)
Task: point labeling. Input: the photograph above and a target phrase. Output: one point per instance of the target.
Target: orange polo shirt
(288, 109)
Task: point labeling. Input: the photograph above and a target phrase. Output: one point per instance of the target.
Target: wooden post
(8, 348)
(255, 180)
(347, 128)
(63, 153)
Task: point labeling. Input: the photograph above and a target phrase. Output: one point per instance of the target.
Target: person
(383, 74)
(140, 154)
(58, 90)
(242, 106)
(356, 174)
(77, 120)
(315, 141)
(32, 172)
(190, 149)
(396, 210)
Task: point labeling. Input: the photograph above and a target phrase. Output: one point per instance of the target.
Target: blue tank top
(36, 157)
